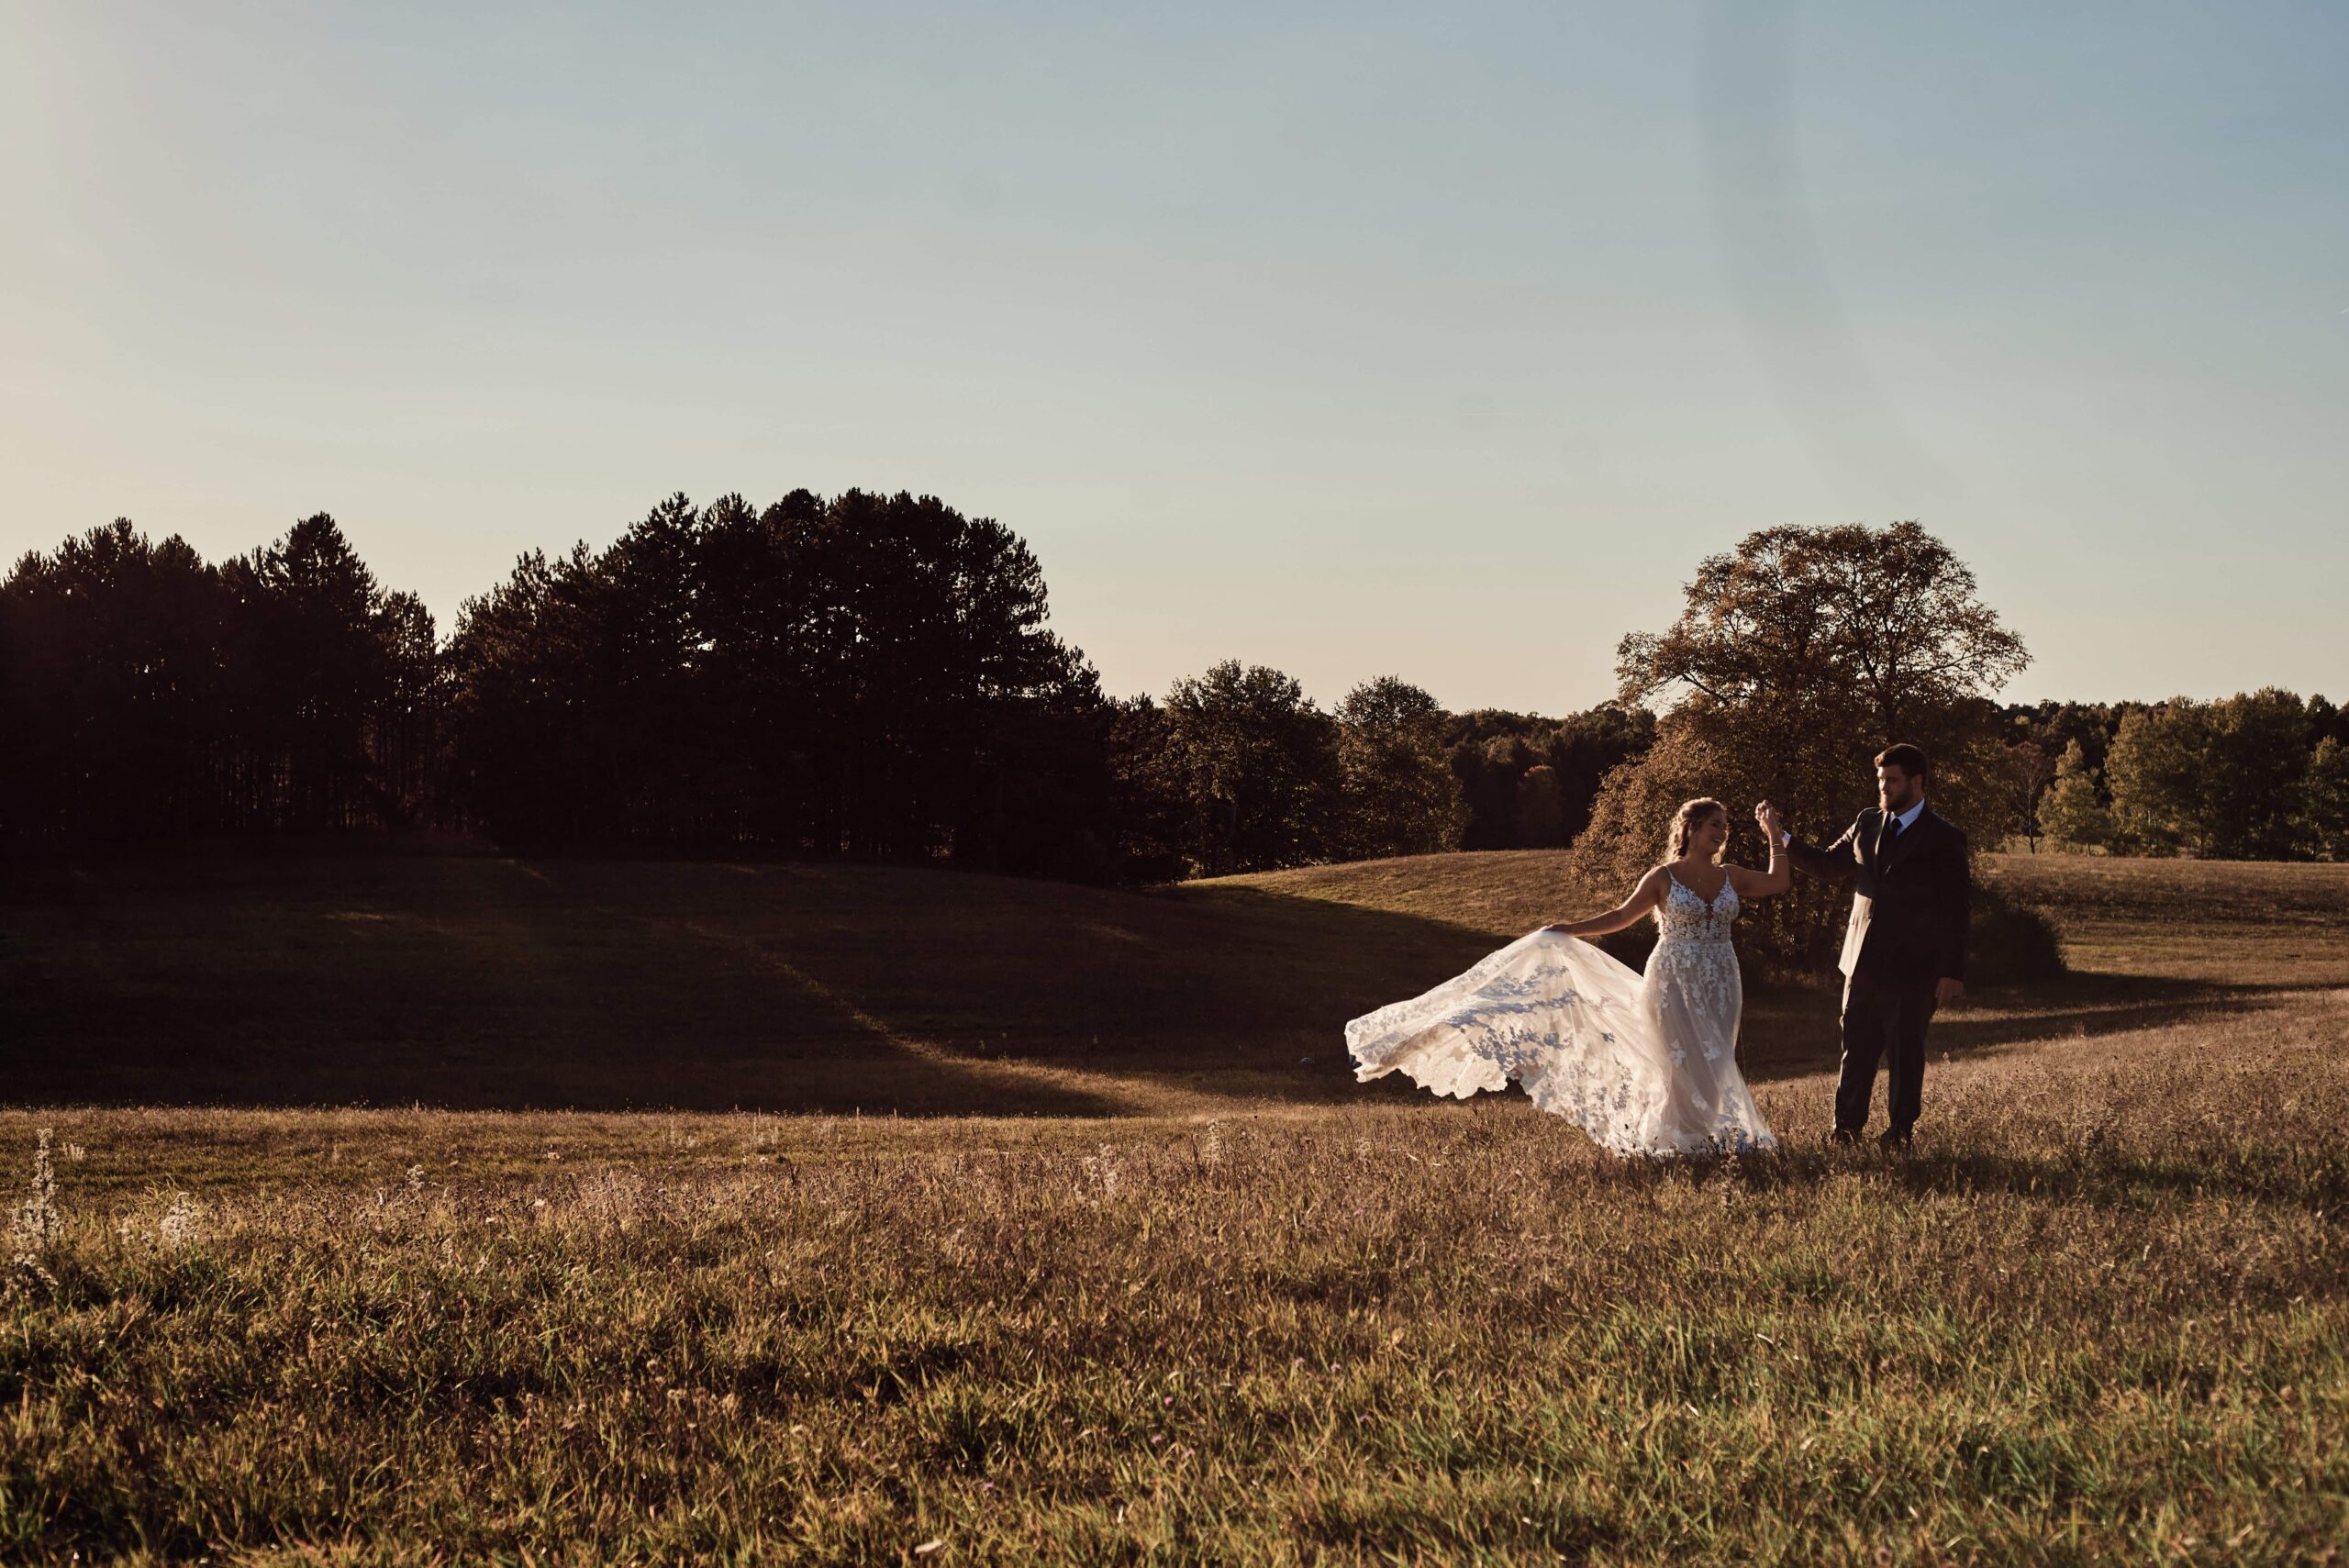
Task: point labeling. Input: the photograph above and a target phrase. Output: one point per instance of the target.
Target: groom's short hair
(1905, 757)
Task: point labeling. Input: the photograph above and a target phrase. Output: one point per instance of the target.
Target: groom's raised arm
(1833, 861)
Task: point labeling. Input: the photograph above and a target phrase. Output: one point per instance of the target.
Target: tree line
(147, 695)
(872, 677)
(863, 677)
(2260, 776)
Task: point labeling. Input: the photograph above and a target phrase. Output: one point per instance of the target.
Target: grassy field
(482, 983)
(1175, 1295)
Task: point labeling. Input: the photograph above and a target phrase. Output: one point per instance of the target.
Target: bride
(1646, 1064)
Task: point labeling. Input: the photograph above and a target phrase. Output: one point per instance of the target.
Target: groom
(1904, 952)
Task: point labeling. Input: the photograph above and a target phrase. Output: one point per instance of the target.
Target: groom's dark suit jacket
(1910, 902)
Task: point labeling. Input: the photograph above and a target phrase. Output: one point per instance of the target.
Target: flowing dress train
(1646, 1064)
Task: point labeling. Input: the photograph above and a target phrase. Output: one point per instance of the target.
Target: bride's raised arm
(1644, 897)
(1781, 875)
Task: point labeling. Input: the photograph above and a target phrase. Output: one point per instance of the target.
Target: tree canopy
(148, 695)
(868, 676)
(1796, 658)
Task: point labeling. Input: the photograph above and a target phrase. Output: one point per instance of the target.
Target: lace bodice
(1683, 916)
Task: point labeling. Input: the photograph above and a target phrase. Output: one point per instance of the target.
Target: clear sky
(1351, 339)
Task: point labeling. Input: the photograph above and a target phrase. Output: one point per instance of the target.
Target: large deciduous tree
(1401, 796)
(1541, 808)
(1255, 764)
(2258, 770)
(1796, 658)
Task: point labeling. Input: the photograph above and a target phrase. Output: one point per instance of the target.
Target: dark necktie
(1892, 836)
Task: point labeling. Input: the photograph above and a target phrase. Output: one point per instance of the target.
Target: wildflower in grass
(37, 1220)
(415, 1178)
(1211, 1144)
(181, 1224)
(1102, 1177)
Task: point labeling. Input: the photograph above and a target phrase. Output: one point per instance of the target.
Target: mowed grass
(1232, 1315)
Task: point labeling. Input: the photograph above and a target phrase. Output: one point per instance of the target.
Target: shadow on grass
(484, 983)
(488, 983)
(2086, 1173)
(2105, 1179)
(477, 983)
(2086, 1006)
(1792, 1033)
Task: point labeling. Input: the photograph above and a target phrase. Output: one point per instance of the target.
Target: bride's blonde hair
(1684, 820)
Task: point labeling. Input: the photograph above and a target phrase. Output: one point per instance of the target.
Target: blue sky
(1351, 340)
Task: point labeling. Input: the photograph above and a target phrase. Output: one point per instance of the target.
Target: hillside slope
(488, 983)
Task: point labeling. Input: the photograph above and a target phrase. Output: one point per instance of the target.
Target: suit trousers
(1883, 1023)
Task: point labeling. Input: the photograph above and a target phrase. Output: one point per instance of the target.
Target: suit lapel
(1906, 845)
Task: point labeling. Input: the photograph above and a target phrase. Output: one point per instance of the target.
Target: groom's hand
(1946, 991)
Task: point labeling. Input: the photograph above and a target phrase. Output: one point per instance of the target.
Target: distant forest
(871, 677)
(2259, 776)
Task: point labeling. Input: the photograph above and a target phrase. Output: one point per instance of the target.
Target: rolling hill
(487, 982)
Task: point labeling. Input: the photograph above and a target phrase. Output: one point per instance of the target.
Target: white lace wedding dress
(1645, 1063)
